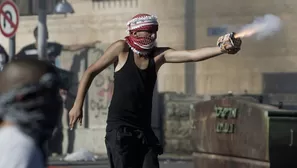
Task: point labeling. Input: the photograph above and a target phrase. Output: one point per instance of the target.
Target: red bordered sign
(9, 18)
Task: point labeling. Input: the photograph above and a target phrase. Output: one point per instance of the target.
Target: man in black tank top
(129, 139)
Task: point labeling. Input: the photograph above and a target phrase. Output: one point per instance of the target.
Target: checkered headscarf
(142, 22)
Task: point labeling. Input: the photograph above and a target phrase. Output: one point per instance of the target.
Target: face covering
(142, 22)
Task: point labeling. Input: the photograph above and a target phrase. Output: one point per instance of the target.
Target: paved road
(104, 164)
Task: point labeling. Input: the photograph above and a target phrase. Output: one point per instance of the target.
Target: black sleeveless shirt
(131, 103)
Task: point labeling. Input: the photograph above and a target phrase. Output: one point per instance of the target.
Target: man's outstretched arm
(226, 44)
(173, 56)
(76, 47)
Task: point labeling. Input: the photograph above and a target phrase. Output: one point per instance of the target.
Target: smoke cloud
(261, 27)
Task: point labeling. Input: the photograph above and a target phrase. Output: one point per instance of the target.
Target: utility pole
(190, 44)
(42, 30)
(11, 47)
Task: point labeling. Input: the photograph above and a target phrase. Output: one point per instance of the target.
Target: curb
(175, 158)
(104, 160)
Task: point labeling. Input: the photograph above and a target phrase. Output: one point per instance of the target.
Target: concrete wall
(91, 134)
(106, 21)
(244, 70)
(103, 21)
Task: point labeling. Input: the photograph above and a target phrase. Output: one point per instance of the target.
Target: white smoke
(262, 27)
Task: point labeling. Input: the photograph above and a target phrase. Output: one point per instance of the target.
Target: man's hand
(229, 44)
(75, 114)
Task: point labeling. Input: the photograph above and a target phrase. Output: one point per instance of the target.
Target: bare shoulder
(159, 55)
(162, 50)
(119, 43)
(120, 46)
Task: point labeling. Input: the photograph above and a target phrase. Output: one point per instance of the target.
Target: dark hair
(36, 67)
(35, 32)
(31, 63)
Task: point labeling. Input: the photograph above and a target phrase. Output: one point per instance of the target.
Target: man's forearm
(83, 88)
(205, 53)
(173, 56)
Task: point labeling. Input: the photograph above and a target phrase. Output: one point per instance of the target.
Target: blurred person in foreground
(130, 140)
(54, 50)
(4, 58)
(30, 105)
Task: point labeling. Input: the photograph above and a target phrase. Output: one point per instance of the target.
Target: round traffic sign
(9, 18)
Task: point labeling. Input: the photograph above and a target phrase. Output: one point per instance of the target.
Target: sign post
(9, 23)
(42, 30)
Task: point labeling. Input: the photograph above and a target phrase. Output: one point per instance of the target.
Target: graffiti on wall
(102, 90)
(223, 114)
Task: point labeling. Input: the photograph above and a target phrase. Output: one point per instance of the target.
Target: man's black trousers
(132, 148)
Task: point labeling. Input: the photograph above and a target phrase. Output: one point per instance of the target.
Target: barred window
(113, 3)
(30, 7)
(216, 31)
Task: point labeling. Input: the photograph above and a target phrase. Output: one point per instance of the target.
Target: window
(216, 31)
(112, 3)
(30, 7)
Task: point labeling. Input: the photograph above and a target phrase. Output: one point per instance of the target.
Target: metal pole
(11, 47)
(42, 43)
(190, 44)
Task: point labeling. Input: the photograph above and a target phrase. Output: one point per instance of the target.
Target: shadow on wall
(70, 78)
(70, 75)
(71, 94)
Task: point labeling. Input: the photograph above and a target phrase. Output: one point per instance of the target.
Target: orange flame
(246, 33)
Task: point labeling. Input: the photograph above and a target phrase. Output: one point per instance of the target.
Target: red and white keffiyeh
(142, 22)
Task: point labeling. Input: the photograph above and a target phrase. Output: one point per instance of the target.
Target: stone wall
(178, 110)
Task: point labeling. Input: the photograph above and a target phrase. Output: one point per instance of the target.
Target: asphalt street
(104, 164)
